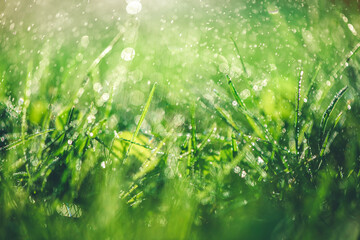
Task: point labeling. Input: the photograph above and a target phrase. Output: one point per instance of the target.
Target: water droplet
(133, 7)
(224, 68)
(103, 165)
(105, 97)
(79, 57)
(12, 26)
(84, 42)
(97, 87)
(245, 94)
(128, 54)
(272, 9)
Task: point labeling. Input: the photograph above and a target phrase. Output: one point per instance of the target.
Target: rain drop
(128, 54)
(133, 7)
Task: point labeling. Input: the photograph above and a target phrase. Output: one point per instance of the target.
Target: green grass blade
(325, 143)
(259, 129)
(105, 52)
(142, 117)
(150, 163)
(328, 111)
(193, 128)
(312, 81)
(297, 115)
(201, 146)
(345, 62)
(25, 139)
(235, 93)
(227, 118)
(238, 53)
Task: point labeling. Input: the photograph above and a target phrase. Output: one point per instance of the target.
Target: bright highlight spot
(133, 7)
(128, 54)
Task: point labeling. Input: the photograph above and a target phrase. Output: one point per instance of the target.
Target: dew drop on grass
(245, 94)
(105, 97)
(272, 9)
(224, 68)
(84, 42)
(12, 26)
(79, 57)
(128, 54)
(97, 87)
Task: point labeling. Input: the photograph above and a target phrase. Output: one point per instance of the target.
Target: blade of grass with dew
(340, 70)
(142, 117)
(238, 53)
(325, 143)
(135, 143)
(68, 122)
(26, 100)
(193, 128)
(190, 165)
(150, 163)
(24, 139)
(227, 118)
(252, 120)
(312, 82)
(110, 151)
(297, 116)
(96, 62)
(201, 145)
(328, 111)
(345, 62)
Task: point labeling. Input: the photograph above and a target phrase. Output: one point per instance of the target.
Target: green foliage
(199, 136)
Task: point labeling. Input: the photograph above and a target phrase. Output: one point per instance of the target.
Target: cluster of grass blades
(80, 177)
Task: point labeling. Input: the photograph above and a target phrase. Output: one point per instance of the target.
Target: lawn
(179, 119)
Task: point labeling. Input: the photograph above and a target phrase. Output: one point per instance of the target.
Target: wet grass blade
(26, 103)
(259, 129)
(238, 53)
(297, 115)
(142, 117)
(235, 93)
(345, 62)
(227, 118)
(312, 81)
(325, 143)
(201, 146)
(193, 128)
(108, 148)
(328, 111)
(151, 162)
(24, 139)
(105, 52)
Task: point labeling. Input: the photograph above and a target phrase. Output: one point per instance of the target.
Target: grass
(228, 120)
